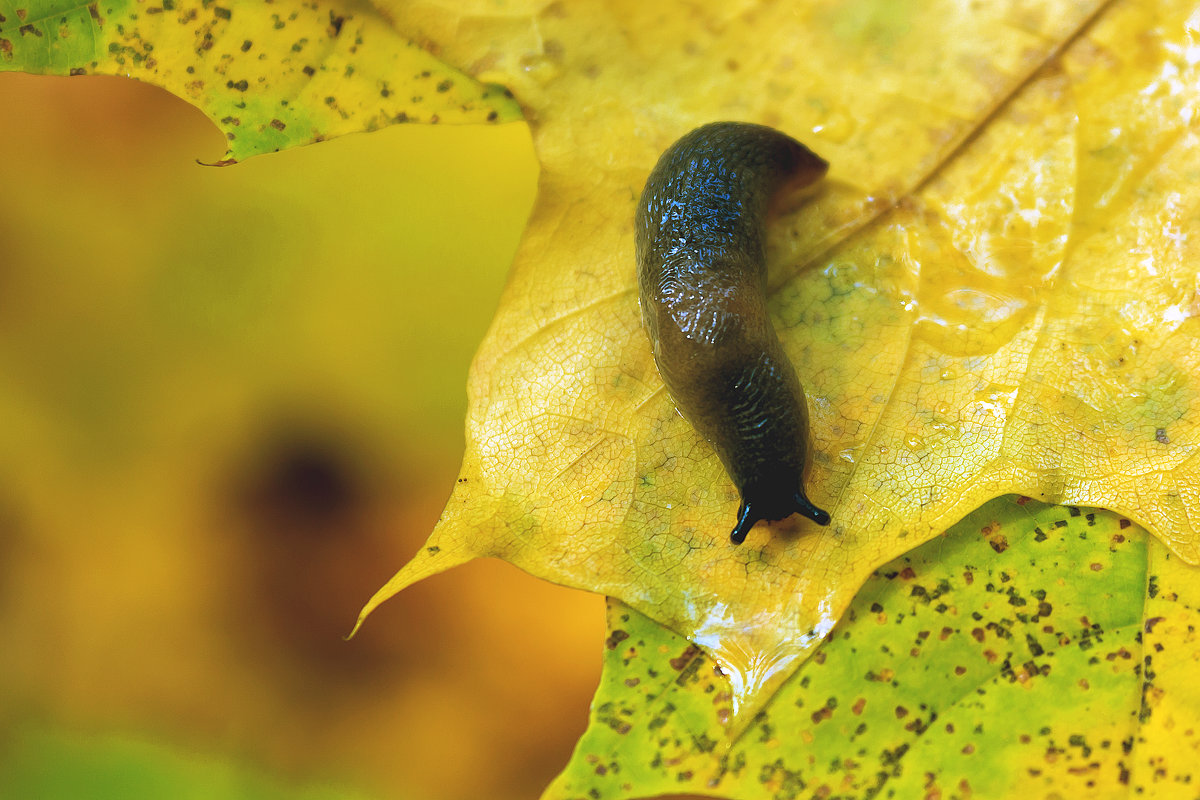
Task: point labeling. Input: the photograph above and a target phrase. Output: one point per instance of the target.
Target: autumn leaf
(995, 293)
(992, 293)
(270, 77)
(1030, 650)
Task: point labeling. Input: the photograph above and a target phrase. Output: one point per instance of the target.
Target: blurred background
(231, 406)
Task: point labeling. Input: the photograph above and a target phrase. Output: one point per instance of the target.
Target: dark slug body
(702, 278)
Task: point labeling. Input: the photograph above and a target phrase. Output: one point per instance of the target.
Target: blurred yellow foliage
(230, 400)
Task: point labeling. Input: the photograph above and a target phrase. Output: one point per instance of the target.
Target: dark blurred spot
(302, 486)
(310, 533)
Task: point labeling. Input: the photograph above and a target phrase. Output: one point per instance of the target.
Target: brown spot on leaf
(1151, 622)
(684, 658)
(859, 705)
(615, 639)
(1161, 436)
(278, 124)
(1096, 566)
(907, 574)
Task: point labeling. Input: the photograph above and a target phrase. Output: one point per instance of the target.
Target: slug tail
(747, 519)
(805, 507)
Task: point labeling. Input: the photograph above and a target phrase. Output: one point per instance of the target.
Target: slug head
(751, 512)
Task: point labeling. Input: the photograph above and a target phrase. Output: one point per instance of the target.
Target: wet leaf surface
(995, 292)
(271, 77)
(1031, 650)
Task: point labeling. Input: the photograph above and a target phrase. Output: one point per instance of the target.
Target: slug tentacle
(702, 280)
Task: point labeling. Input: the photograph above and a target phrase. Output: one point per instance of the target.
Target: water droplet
(541, 68)
(836, 126)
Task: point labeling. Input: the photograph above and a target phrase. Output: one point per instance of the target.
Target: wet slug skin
(702, 278)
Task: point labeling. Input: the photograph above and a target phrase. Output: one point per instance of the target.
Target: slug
(702, 280)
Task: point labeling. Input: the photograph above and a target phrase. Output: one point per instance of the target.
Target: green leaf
(1030, 649)
(271, 76)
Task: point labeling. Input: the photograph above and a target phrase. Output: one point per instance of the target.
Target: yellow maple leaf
(996, 292)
